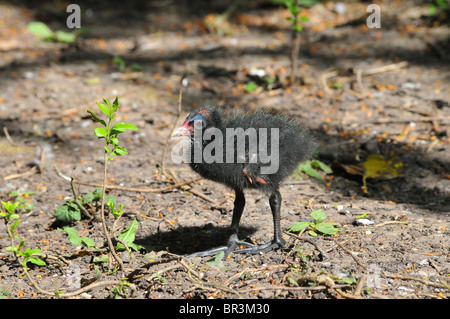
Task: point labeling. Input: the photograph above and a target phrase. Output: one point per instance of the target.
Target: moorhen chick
(245, 150)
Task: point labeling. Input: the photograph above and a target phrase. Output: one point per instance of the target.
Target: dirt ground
(403, 111)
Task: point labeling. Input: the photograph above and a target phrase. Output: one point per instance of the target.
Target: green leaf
(349, 280)
(114, 140)
(12, 248)
(217, 261)
(116, 104)
(104, 108)
(120, 62)
(324, 167)
(298, 28)
(40, 29)
(77, 240)
(122, 127)
(327, 228)
(160, 278)
(102, 259)
(304, 18)
(120, 151)
(36, 261)
(10, 207)
(307, 168)
(87, 242)
(96, 119)
(128, 236)
(69, 212)
(318, 215)
(312, 233)
(251, 86)
(298, 226)
(98, 193)
(13, 227)
(100, 132)
(293, 282)
(73, 235)
(65, 37)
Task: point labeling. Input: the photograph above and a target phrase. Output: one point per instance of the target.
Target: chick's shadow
(191, 239)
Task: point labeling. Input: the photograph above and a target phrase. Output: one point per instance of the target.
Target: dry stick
(309, 241)
(294, 288)
(359, 73)
(324, 79)
(8, 137)
(191, 189)
(85, 212)
(32, 171)
(131, 189)
(360, 284)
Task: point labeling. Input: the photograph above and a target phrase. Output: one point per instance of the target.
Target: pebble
(364, 221)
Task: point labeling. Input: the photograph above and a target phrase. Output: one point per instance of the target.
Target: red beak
(184, 130)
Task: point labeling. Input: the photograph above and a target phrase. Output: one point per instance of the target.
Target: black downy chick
(257, 150)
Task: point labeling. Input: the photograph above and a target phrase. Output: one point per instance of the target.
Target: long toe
(256, 249)
(210, 252)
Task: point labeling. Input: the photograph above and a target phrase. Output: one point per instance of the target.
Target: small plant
(296, 21)
(318, 226)
(25, 204)
(77, 240)
(251, 86)
(70, 211)
(29, 254)
(122, 291)
(441, 4)
(109, 133)
(218, 261)
(123, 67)
(45, 33)
(311, 168)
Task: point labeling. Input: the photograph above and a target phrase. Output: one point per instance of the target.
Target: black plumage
(246, 150)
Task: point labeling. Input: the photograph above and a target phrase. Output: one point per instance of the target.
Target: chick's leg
(233, 241)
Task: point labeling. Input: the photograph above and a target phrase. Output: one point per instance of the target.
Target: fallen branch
(293, 288)
(31, 171)
(360, 73)
(131, 189)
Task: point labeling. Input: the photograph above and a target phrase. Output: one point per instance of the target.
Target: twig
(75, 196)
(353, 256)
(324, 79)
(360, 284)
(323, 253)
(294, 288)
(31, 171)
(8, 137)
(359, 73)
(203, 284)
(388, 223)
(131, 189)
(428, 283)
(385, 68)
(347, 295)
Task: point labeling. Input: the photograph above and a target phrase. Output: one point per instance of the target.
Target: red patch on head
(204, 112)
